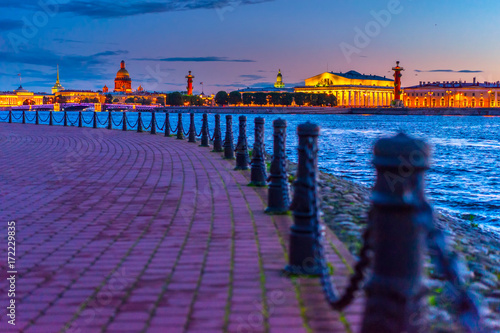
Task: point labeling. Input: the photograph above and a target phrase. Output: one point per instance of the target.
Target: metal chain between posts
(57, 122)
(43, 121)
(99, 120)
(13, 117)
(144, 127)
(88, 122)
(447, 264)
(160, 128)
(128, 123)
(71, 123)
(2, 119)
(114, 123)
(30, 120)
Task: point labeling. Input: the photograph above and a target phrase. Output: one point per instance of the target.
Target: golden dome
(122, 73)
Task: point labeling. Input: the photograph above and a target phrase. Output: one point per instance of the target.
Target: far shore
(290, 110)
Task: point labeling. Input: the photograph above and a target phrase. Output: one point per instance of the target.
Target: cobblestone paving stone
(126, 232)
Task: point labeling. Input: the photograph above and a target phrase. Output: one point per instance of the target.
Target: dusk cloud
(250, 77)
(114, 9)
(448, 71)
(195, 59)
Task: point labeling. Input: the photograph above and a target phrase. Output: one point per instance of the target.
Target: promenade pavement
(131, 232)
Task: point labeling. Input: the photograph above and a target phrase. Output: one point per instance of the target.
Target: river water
(465, 176)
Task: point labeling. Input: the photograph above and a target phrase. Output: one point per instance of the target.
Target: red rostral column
(397, 83)
(190, 84)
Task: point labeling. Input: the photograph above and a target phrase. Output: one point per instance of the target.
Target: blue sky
(230, 44)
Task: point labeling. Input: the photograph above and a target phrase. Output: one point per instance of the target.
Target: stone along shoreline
(345, 208)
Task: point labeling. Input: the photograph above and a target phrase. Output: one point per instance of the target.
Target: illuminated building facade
(123, 82)
(20, 96)
(279, 81)
(79, 96)
(352, 88)
(452, 95)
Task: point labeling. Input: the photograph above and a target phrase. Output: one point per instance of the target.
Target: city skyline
(237, 44)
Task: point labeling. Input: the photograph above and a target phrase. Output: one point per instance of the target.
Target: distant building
(452, 94)
(105, 89)
(20, 96)
(57, 87)
(79, 96)
(123, 82)
(352, 88)
(279, 81)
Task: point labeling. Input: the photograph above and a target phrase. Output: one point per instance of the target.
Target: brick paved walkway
(128, 232)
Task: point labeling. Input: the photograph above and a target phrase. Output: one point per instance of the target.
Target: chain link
(6, 118)
(99, 120)
(57, 122)
(14, 118)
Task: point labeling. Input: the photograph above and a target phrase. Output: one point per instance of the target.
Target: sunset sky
(242, 43)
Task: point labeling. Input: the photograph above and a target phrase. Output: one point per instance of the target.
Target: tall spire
(57, 82)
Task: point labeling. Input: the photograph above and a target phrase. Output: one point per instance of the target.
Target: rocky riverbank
(345, 206)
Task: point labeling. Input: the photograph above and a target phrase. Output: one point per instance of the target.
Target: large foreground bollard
(217, 135)
(192, 128)
(139, 122)
(80, 121)
(110, 120)
(242, 146)
(400, 217)
(258, 175)
(153, 122)
(228, 141)
(167, 124)
(305, 205)
(37, 118)
(124, 125)
(94, 125)
(204, 131)
(51, 120)
(278, 197)
(180, 128)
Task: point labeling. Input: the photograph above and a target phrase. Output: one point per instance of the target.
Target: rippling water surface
(464, 178)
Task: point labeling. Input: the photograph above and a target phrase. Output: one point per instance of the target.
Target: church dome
(122, 73)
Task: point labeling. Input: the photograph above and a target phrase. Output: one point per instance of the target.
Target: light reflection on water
(464, 178)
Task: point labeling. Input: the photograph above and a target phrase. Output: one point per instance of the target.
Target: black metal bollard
(258, 173)
(192, 128)
(153, 123)
(180, 129)
(24, 117)
(204, 131)
(242, 157)
(110, 120)
(94, 125)
(228, 141)
(51, 121)
(80, 117)
(217, 135)
(37, 118)
(65, 118)
(139, 122)
(167, 124)
(10, 116)
(398, 219)
(124, 119)
(278, 197)
(304, 233)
